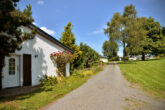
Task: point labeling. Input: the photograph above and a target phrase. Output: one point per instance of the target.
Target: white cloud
(49, 31)
(40, 2)
(97, 32)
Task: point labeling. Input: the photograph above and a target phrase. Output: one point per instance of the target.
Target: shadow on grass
(128, 62)
(135, 62)
(151, 59)
(26, 95)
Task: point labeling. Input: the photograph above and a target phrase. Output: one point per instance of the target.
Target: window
(11, 66)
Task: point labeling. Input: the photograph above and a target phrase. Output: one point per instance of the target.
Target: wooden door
(27, 70)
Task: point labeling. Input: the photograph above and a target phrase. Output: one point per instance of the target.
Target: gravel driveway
(108, 90)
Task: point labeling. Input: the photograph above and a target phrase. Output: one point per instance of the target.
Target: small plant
(48, 80)
(126, 58)
(96, 69)
(161, 55)
(87, 73)
(61, 59)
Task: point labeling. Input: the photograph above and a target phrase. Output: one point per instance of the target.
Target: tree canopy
(155, 39)
(68, 39)
(110, 49)
(88, 57)
(137, 36)
(125, 28)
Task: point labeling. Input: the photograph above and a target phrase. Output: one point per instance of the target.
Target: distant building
(104, 59)
(138, 57)
(120, 58)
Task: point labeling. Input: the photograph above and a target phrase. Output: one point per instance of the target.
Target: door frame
(24, 63)
(5, 72)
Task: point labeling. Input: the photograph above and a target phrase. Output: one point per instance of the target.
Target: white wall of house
(67, 69)
(40, 49)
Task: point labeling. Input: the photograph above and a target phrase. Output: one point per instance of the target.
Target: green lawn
(43, 96)
(148, 74)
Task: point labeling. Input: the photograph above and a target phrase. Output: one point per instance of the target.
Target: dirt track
(108, 90)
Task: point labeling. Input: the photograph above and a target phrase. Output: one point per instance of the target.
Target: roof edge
(49, 37)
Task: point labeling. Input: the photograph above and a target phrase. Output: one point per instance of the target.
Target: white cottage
(27, 66)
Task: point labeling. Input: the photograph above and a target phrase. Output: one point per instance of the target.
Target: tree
(163, 41)
(110, 49)
(122, 29)
(155, 39)
(88, 57)
(163, 31)
(11, 36)
(68, 39)
(137, 36)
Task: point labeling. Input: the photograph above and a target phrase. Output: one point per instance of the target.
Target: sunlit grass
(149, 74)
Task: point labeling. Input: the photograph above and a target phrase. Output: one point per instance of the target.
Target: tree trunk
(143, 56)
(0, 78)
(124, 53)
(2, 60)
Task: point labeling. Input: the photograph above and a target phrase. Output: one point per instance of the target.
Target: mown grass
(148, 74)
(45, 95)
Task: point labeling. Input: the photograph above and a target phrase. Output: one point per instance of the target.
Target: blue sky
(89, 17)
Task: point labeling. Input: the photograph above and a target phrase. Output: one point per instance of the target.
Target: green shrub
(61, 59)
(126, 58)
(76, 73)
(87, 73)
(48, 80)
(97, 69)
(161, 55)
(114, 59)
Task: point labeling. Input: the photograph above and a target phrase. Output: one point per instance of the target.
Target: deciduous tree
(137, 36)
(122, 28)
(88, 57)
(155, 39)
(110, 49)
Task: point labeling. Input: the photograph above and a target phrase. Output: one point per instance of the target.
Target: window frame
(12, 68)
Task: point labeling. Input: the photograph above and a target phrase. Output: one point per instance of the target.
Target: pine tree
(68, 39)
(11, 37)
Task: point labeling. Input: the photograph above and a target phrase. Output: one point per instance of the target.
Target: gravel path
(108, 90)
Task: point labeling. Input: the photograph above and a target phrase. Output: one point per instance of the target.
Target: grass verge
(46, 95)
(148, 74)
